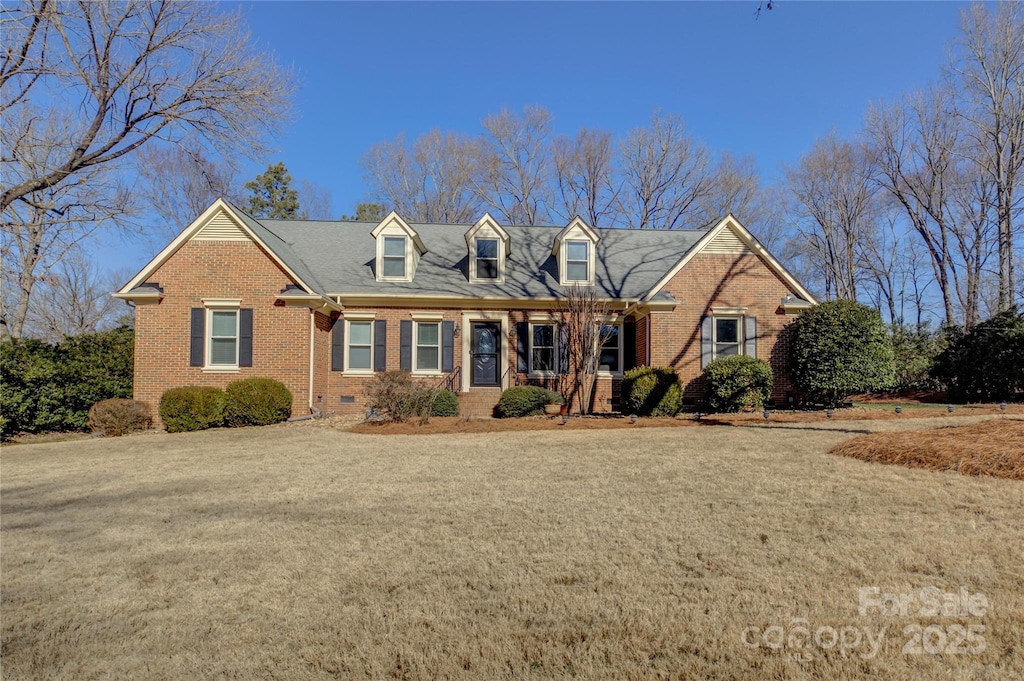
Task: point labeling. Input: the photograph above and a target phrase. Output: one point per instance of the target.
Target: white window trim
(622, 358)
(590, 262)
(220, 305)
(557, 356)
(740, 339)
(416, 346)
(348, 346)
(406, 275)
(473, 278)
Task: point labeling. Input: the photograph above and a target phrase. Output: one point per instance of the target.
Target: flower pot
(552, 409)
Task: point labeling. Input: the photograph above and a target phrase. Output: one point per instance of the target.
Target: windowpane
(487, 269)
(224, 323)
(487, 248)
(394, 245)
(576, 271)
(576, 250)
(394, 267)
(727, 330)
(358, 357)
(543, 359)
(427, 334)
(543, 335)
(359, 333)
(426, 358)
(222, 351)
(727, 349)
(609, 358)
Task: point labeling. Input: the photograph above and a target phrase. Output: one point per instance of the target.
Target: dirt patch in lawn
(994, 447)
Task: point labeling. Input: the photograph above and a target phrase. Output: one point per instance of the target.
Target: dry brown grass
(994, 447)
(305, 552)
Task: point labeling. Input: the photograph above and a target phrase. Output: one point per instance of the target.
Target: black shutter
(198, 336)
(447, 346)
(405, 350)
(629, 349)
(245, 337)
(750, 336)
(380, 345)
(523, 347)
(338, 345)
(563, 348)
(707, 330)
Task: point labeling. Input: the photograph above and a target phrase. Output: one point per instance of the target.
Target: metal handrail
(452, 381)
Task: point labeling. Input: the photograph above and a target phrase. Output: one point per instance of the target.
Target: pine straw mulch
(994, 448)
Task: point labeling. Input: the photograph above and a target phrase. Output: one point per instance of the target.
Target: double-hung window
(428, 346)
(360, 346)
(610, 358)
(543, 353)
(394, 257)
(222, 351)
(487, 258)
(577, 260)
(727, 336)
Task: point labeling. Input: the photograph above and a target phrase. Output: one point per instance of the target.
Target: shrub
(737, 383)
(525, 400)
(443, 403)
(256, 402)
(396, 396)
(986, 364)
(650, 391)
(118, 416)
(51, 387)
(915, 352)
(192, 407)
(840, 347)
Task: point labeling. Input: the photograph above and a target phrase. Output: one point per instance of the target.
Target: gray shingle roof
(339, 258)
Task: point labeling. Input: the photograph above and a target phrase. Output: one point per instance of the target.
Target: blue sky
(766, 87)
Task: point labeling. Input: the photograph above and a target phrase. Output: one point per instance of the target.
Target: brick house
(323, 305)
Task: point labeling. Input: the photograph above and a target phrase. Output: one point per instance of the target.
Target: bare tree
(835, 209)
(584, 331)
(988, 67)
(433, 180)
(517, 161)
(315, 201)
(178, 182)
(584, 176)
(665, 173)
(735, 188)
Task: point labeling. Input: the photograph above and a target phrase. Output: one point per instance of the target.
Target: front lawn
(301, 551)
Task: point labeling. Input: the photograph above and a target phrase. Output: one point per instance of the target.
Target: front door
(486, 352)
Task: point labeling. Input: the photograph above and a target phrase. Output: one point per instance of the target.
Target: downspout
(650, 360)
(312, 328)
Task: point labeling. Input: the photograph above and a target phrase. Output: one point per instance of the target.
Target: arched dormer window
(399, 248)
(574, 249)
(488, 246)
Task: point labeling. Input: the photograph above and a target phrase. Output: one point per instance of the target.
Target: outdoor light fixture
(696, 416)
(565, 419)
(899, 409)
(1002, 405)
(632, 418)
(766, 414)
(829, 412)
(457, 330)
(950, 408)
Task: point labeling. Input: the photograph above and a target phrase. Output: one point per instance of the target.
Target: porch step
(479, 401)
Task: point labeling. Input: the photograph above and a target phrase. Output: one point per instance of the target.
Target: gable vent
(728, 242)
(221, 228)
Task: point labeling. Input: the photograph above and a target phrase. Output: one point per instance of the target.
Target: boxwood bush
(650, 391)
(443, 403)
(525, 400)
(192, 407)
(256, 402)
(118, 416)
(737, 383)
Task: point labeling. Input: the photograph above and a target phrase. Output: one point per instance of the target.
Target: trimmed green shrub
(525, 400)
(737, 383)
(192, 407)
(256, 402)
(650, 391)
(51, 387)
(986, 364)
(118, 416)
(443, 403)
(840, 347)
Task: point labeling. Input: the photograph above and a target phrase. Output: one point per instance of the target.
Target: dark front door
(486, 351)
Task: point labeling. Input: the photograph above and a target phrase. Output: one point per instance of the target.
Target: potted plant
(555, 405)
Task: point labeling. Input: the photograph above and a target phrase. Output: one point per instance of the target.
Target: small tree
(841, 347)
(271, 194)
(583, 334)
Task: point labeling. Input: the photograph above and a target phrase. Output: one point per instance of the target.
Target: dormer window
(399, 248)
(573, 250)
(488, 246)
(577, 261)
(394, 257)
(486, 258)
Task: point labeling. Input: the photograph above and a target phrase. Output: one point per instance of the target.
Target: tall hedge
(986, 364)
(841, 347)
(51, 387)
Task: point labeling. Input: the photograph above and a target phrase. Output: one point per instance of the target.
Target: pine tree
(271, 195)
